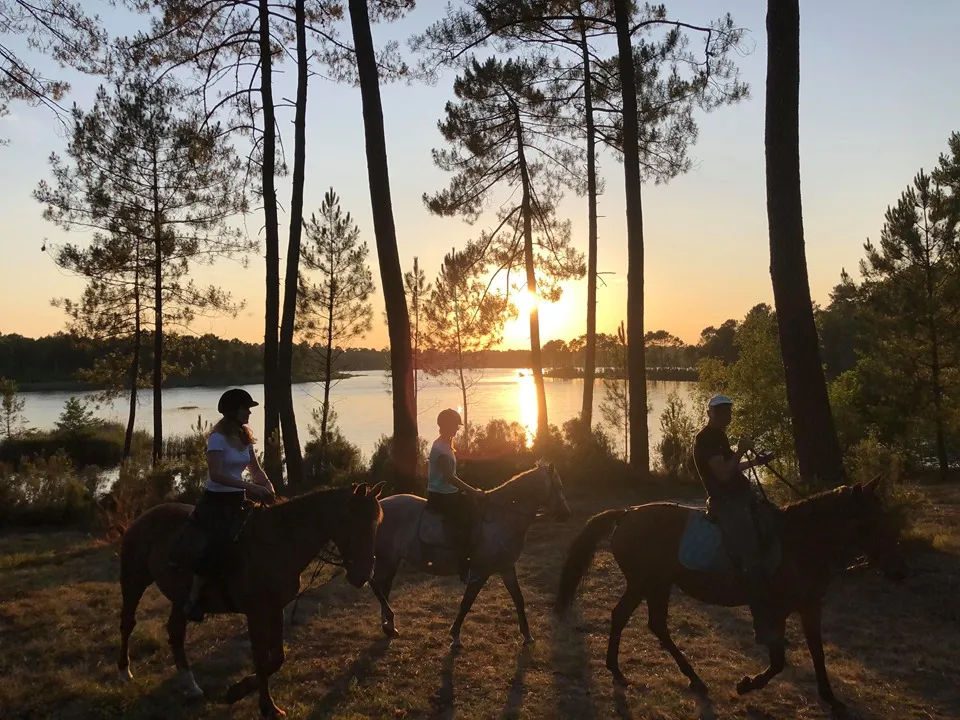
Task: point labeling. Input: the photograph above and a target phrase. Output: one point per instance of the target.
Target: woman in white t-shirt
(230, 453)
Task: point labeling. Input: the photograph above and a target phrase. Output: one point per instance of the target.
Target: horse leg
(810, 619)
(631, 599)
(777, 661)
(381, 584)
(469, 595)
(132, 587)
(510, 582)
(658, 604)
(266, 640)
(177, 633)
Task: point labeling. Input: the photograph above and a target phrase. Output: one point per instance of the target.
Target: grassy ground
(892, 650)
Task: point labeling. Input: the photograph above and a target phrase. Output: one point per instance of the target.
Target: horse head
(877, 531)
(355, 536)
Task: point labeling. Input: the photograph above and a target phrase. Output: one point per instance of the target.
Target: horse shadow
(517, 692)
(360, 669)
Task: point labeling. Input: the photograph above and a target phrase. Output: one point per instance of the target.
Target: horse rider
(735, 507)
(447, 494)
(230, 451)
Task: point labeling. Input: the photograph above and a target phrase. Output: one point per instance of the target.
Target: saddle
(195, 551)
(432, 530)
(702, 549)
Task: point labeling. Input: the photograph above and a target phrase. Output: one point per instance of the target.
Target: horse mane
(504, 489)
(290, 504)
(822, 505)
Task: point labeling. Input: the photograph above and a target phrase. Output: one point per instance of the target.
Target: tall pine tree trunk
(135, 359)
(404, 446)
(271, 399)
(526, 209)
(288, 418)
(935, 365)
(327, 370)
(158, 314)
(590, 351)
(636, 360)
(818, 451)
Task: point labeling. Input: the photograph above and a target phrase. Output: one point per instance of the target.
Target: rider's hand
(260, 493)
(745, 443)
(478, 493)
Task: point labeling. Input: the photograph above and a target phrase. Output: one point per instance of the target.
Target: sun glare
(527, 404)
(525, 302)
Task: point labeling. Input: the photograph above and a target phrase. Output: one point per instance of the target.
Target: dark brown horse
(645, 542)
(275, 545)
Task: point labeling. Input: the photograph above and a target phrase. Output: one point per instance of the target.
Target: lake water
(363, 406)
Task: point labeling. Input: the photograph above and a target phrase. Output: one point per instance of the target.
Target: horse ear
(360, 490)
(551, 468)
(873, 485)
(377, 489)
(857, 489)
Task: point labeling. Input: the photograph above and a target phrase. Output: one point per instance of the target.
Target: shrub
(678, 428)
(47, 491)
(100, 445)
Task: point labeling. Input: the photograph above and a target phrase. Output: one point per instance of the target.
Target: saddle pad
(431, 529)
(701, 548)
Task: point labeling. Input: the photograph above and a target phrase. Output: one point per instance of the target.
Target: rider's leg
(735, 519)
(462, 516)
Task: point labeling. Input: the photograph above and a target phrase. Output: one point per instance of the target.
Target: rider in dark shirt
(734, 506)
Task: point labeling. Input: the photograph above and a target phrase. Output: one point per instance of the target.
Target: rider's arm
(723, 470)
(445, 465)
(256, 471)
(215, 467)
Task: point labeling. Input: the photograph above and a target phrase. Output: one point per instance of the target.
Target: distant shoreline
(653, 373)
(77, 386)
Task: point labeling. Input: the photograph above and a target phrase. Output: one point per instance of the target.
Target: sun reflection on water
(527, 405)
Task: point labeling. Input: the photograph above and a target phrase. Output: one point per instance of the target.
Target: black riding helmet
(234, 399)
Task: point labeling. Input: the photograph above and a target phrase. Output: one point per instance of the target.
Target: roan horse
(274, 547)
(645, 541)
(505, 513)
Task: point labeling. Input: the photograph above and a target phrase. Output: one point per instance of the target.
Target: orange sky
(705, 233)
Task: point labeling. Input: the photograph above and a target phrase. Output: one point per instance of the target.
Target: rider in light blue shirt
(447, 494)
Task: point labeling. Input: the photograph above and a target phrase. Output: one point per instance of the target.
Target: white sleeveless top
(234, 462)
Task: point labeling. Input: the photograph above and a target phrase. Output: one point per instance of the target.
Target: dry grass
(892, 651)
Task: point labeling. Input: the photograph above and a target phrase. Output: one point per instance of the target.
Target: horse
(504, 515)
(274, 546)
(646, 539)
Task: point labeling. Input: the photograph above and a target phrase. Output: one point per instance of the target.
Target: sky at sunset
(878, 100)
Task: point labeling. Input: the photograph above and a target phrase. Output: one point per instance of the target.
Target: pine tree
(913, 288)
(504, 135)
(143, 165)
(463, 319)
(336, 308)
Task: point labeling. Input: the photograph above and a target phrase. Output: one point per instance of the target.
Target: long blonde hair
(231, 429)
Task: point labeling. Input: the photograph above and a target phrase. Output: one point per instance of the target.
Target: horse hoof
(839, 710)
(125, 675)
(390, 631)
(619, 680)
(456, 646)
(744, 686)
(699, 687)
(528, 641)
(271, 713)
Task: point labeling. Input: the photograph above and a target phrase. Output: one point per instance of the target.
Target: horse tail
(580, 556)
